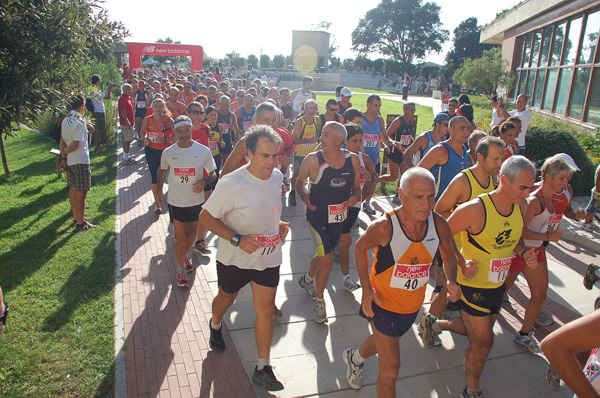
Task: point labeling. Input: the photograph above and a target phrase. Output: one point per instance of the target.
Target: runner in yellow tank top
(466, 186)
(405, 241)
(491, 227)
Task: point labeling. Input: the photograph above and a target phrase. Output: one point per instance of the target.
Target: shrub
(545, 142)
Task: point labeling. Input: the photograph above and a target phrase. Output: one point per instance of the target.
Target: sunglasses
(198, 112)
(4, 316)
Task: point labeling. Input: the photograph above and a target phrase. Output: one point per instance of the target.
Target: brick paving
(166, 328)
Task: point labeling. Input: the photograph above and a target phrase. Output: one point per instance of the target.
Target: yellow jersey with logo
(400, 271)
(476, 190)
(493, 247)
(307, 130)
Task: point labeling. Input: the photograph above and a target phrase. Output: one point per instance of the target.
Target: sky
(265, 27)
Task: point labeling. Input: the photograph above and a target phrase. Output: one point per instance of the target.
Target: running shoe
(543, 319)
(367, 208)
(182, 280)
(309, 287)
(129, 161)
(597, 303)
(277, 313)
(428, 335)
(189, 267)
(84, 226)
(292, 198)
(354, 372)
(590, 277)
(266, 379)
(350, 284)
(552, 378)
(140, 142)
(320, 311)
(202, 247)
(436, 342)
(335, 253)
(466, 394)
(396, 199)
(587, 227)
(157, 209)
(216, 342)
(528, 342)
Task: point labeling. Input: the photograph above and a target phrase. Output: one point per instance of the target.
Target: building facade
(552, 48)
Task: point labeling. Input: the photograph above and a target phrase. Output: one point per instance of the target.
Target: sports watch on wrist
(235, 240)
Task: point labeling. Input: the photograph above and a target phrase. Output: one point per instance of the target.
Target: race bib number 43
(499, 268)
(185, 175)
(269, 244)
(337, 213)
(410, 277)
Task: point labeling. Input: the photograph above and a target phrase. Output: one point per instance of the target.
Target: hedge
(545, 142)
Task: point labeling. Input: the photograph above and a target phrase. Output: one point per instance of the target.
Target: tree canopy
(405, 30)
(466, 45)
(45, 47)
(485, 73)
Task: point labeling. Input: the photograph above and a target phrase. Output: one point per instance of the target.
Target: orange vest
(158, 130)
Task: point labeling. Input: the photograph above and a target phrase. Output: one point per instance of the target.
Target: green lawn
(59, 340)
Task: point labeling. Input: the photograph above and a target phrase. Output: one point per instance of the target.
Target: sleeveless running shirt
(330, 192)
(544, 220)
(421, 154)
(405, 134)
(371, 137)
(213, 140)
(443, 174)
(306, 131)
(400, 271)
(246, 118)
(299, 99)
(158, 130)
(493, 247)
(140, 103)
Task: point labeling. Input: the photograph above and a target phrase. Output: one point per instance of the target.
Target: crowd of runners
(234, 151)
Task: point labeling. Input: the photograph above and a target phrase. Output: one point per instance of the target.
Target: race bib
(213, 146)
(337, 213)
(405, 139)
(499, 268)
(247, 125)
(270, 244)
(554, 221)
(184, 175)
(141, 104)
(410, 277)
(152, 136)
(224, 128)
(371, 140)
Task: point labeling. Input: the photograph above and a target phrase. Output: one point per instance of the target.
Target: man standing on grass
(127, 121)
(75, 156)
(245, 212)
(98, 98)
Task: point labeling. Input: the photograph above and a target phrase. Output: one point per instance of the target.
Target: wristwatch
(235, 241)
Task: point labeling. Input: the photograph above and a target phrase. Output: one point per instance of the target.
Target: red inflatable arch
(165, 49)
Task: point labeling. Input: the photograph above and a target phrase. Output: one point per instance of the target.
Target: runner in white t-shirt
(245, 212)
(187, 161)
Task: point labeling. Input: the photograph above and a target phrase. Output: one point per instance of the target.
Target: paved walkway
(166, 328)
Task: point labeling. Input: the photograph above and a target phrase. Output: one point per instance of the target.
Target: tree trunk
(4, 161)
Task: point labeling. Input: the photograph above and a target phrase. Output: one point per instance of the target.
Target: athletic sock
(214, 325)
(126, 156)
(522, 333)
(472, 391)
(357, 359)
(345, 277)
(436, 327)
(181, 269)
(308, 278)
(262, 362)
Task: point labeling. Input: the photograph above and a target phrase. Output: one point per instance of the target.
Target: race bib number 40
(410, 277)
(371, 140)
(269, 243)
(337, 213)
(185, 175)
(499, 268)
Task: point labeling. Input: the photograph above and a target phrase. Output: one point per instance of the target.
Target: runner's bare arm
(436, 155)
(378, 233)
(457, 191)
(448, 257)
(309, 163)
(470, 217)
(560, 347)
(235, 157)
(248, 243)
(385, 135)
(172, 128)
(356, 191)
(417, 145)
(579, 214)
(199, 185)
(369, 168)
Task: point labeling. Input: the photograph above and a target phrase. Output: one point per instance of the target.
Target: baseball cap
(569, 160)
(441, 117)
(346, 92)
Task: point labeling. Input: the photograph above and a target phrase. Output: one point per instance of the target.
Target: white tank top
(299, 99)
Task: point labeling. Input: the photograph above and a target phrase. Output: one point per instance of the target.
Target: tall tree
(279, 61)
(466, 45)
(253, 60)
(405, 30)
(265, 61)
(45, 47)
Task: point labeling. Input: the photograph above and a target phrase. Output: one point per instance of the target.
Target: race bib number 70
(499, 268)
(410, 277)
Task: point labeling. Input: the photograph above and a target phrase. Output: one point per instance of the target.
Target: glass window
(582, 78)
(527, 52)
(521, 83)
(572, 41)
(546, 38)
(562, 95)
(539, 85)
(550, 89)
(559, 39)
(535, 51)
(590, 38)
(518, 51)
(530, 80)
(594, 111)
